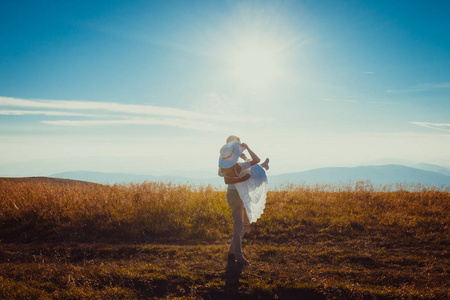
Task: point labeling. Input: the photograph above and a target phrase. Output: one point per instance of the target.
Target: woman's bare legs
(265, 164)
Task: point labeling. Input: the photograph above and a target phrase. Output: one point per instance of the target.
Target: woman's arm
(255, 159)
(229, 180)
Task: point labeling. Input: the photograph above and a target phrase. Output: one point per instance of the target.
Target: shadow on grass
(232, 276)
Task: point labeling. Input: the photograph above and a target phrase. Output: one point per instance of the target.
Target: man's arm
(236, 180)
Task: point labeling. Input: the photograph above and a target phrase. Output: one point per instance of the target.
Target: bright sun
(254, 63)
(254, 47)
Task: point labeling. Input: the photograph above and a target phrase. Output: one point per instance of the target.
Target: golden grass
(154, 240)
(132, 213)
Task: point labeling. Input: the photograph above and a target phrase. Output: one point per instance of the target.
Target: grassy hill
(167, 241)
(49, 180)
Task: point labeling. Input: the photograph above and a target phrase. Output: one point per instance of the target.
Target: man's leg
(240, 225)
(238, 230)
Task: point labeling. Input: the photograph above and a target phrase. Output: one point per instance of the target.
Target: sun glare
(254, 64)
(255, 47)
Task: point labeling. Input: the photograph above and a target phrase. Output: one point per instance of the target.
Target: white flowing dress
(253, 192)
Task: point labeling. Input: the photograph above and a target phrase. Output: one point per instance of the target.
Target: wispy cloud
(381, 102)
(436, 126)
(341, 100)
(44, 113)
(180, 123)
(368, 72)
(422, 88)
(117, 113)
(363, 101)
(113, 107)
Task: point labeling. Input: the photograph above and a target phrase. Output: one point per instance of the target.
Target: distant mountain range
(121, 178)
(433, 168)
(426, 174)
(377, 175)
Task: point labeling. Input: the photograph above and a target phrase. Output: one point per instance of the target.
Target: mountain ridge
(377, 175)
(431, 167)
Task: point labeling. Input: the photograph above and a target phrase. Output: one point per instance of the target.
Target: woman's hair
(232, 138)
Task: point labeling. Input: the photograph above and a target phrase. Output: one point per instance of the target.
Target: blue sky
(155, 87)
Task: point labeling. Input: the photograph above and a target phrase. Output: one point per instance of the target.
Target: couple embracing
(247, 190)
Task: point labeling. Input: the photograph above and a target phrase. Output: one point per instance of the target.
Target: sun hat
(229, 154)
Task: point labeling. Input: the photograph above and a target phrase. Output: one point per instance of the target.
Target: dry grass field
(70, 240)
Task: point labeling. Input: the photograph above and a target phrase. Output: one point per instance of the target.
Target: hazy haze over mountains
(378, 175)
(433, 168)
